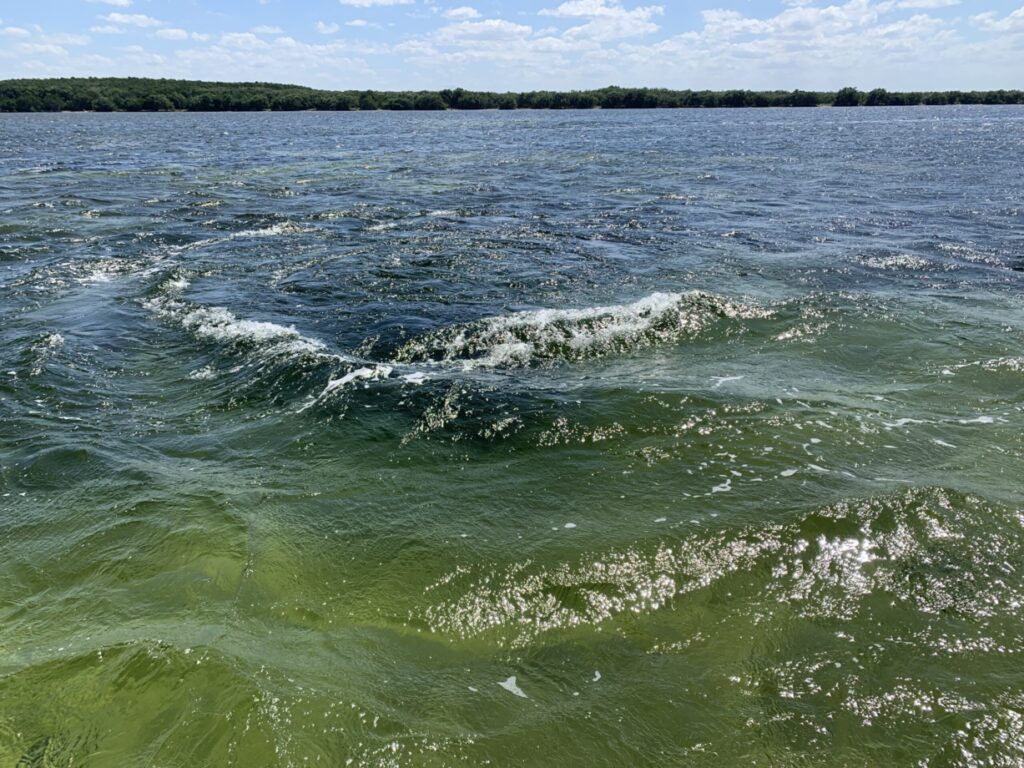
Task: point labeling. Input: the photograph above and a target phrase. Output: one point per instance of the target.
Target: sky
(525, 44)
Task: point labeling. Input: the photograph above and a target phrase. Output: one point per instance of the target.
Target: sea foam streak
(528, 338)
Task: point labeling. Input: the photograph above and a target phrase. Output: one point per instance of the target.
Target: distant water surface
(515, 439)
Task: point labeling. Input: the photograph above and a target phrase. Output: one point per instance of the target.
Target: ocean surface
(660, 438)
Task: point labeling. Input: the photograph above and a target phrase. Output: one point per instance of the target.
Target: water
(590, 438)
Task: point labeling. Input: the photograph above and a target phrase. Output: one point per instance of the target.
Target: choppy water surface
(532, 439)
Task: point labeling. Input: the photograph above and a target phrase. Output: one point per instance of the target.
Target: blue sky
(525, 44)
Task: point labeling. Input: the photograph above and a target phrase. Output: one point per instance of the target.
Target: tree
(847, 97)
(430, 102)
(879, 97)
(156, 102)
(368, 101)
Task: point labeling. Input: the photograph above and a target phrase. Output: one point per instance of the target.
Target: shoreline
(159, 95)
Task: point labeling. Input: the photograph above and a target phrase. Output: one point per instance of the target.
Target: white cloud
(244, 40)
(600, 8)
(33, 49)
(172, 34)
(925, 4)
(265, 30)
(812, 47)
(608, 20)
(283, 59)
(990, 22)
(118, 3)
(359, 23)
(373, 3)
(14, 32)
(106, 29)
(133, 19)
(462, 13)
(489, 29)
(818, 46)
(202, 36)
(613, 28)
(326, 29)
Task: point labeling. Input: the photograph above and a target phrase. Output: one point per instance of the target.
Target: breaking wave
(540, 336)
(220, 325)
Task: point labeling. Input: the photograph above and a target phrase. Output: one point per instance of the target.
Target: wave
(534, 337)
(828, 564)
(220, 325)
(275, 230)
(268, 343)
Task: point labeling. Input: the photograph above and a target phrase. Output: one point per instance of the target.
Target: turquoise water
(600, 438)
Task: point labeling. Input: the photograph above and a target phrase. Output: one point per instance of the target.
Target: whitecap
(530, 337)
(275, 230)
(220, 325)
(902, 422)
(417, 377)
(979, 420)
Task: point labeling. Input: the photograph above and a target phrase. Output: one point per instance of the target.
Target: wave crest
(535, 337)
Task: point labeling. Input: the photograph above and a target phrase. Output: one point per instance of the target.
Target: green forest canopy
(152, 95)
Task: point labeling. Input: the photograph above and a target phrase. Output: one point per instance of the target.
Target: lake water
(512, 439)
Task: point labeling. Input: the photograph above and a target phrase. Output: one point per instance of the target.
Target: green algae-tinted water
(316, 430)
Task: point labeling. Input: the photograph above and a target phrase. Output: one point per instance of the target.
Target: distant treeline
(150, 95)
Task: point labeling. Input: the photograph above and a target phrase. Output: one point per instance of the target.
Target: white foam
(788, 472)
(522, 338)
(597, 676)
(569, 525)
(895, 261)
(220, 325)
(720, 380)
(724, 487)
(510, 686)
(276, 230)
(359, 374)
(176, 284)
(417, 377)
(902, 422)
(364, 374)
(979, 420)
(1015, 364)
(943, 443)
(203, 374)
